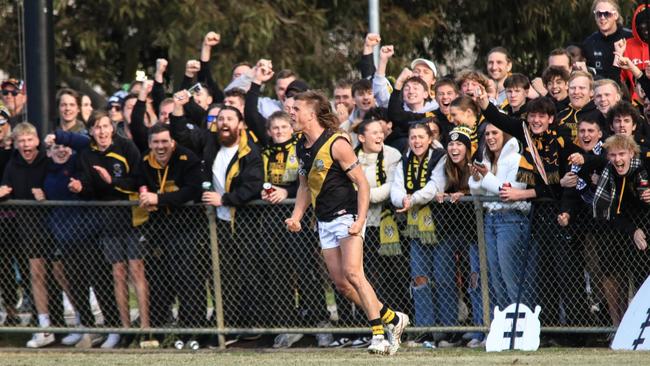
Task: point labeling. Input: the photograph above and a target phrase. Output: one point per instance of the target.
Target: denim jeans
(435, 302)
(506, 235)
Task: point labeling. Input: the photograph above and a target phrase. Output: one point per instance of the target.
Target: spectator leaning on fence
(23, 178)
(107, 173)
(341, 212)
(431, 264)
(622, 201)
(73, 229)
(236, 174)
(506, 225)
(172, 176)
(451, 175)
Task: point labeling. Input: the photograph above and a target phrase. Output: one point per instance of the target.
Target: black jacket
(248, 178)
(183, 178)
(120, 160)
(22, 176)
(599, 52)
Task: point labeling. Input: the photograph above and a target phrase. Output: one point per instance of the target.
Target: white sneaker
(111, 341)
(447, 344)
(71, 339)
(395, 331)
(361, 342)
(379, 345)
(286, 340)
(474, 343)
(40, 340)
(89, 340)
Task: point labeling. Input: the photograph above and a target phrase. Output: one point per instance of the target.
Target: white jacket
(507, 167)
(379, 194)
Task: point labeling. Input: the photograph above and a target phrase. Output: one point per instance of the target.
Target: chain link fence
(185, 271)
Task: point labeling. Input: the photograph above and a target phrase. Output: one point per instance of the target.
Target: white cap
(429, 64)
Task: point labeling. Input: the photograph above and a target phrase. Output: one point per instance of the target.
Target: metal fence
(185, 271)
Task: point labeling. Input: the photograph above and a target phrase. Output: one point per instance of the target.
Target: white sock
(77, 319)
(43, 320)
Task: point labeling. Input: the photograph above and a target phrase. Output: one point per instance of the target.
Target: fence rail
(200, 275)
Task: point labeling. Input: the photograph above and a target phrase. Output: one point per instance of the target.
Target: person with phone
(506, 224)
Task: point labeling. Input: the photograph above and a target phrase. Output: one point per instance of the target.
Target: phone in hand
(195, 88)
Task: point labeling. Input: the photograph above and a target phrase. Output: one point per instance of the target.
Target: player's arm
(342, 153)
(302, 203)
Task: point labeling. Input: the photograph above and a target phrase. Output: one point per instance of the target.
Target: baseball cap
(4, 115)
(295, 87)
(429, 64)
(16, 83)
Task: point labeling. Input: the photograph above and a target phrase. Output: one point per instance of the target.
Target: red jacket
(637, 51)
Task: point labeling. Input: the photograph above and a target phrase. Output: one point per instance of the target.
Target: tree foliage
(106, 41)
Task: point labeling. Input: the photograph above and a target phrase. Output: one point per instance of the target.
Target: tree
(104, 42)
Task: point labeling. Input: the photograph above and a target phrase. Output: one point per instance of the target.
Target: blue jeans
(506, 235)
(436, 263)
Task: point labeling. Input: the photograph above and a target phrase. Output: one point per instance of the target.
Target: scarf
(606, 189)
(541, 157)
(581, 185)
(419, 222)
(388, 231)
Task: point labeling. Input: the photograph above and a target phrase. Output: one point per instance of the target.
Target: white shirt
(378, 194)
(219, 167)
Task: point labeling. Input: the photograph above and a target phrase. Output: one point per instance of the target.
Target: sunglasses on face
(12, 92)
(604, 14)
(116, 108)
(211, 118)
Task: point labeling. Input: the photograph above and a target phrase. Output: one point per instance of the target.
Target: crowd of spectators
(576, 136)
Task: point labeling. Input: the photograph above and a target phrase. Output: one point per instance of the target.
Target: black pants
(176, 270)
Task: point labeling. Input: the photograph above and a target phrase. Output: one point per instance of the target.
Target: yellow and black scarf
(419, 222)
(541, 157)
(388, 231)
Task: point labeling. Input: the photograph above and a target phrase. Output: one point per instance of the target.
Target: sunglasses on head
(12, 92)
(116, 107)
(605, 14)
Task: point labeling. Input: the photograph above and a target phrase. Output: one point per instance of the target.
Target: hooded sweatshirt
(636, 49)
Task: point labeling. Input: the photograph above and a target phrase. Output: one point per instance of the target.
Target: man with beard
(172, 175)
(236, 173)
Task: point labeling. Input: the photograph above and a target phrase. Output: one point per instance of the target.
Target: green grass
(311, 356)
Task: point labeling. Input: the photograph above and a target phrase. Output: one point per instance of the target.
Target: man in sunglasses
(14, 98)
(598, 48)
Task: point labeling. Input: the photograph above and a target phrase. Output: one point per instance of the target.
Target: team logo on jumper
(117, 170)
(320, 165)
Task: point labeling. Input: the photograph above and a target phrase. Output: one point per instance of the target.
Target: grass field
(547, 356)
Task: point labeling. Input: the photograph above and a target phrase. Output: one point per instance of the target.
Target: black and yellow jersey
(332, 192)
